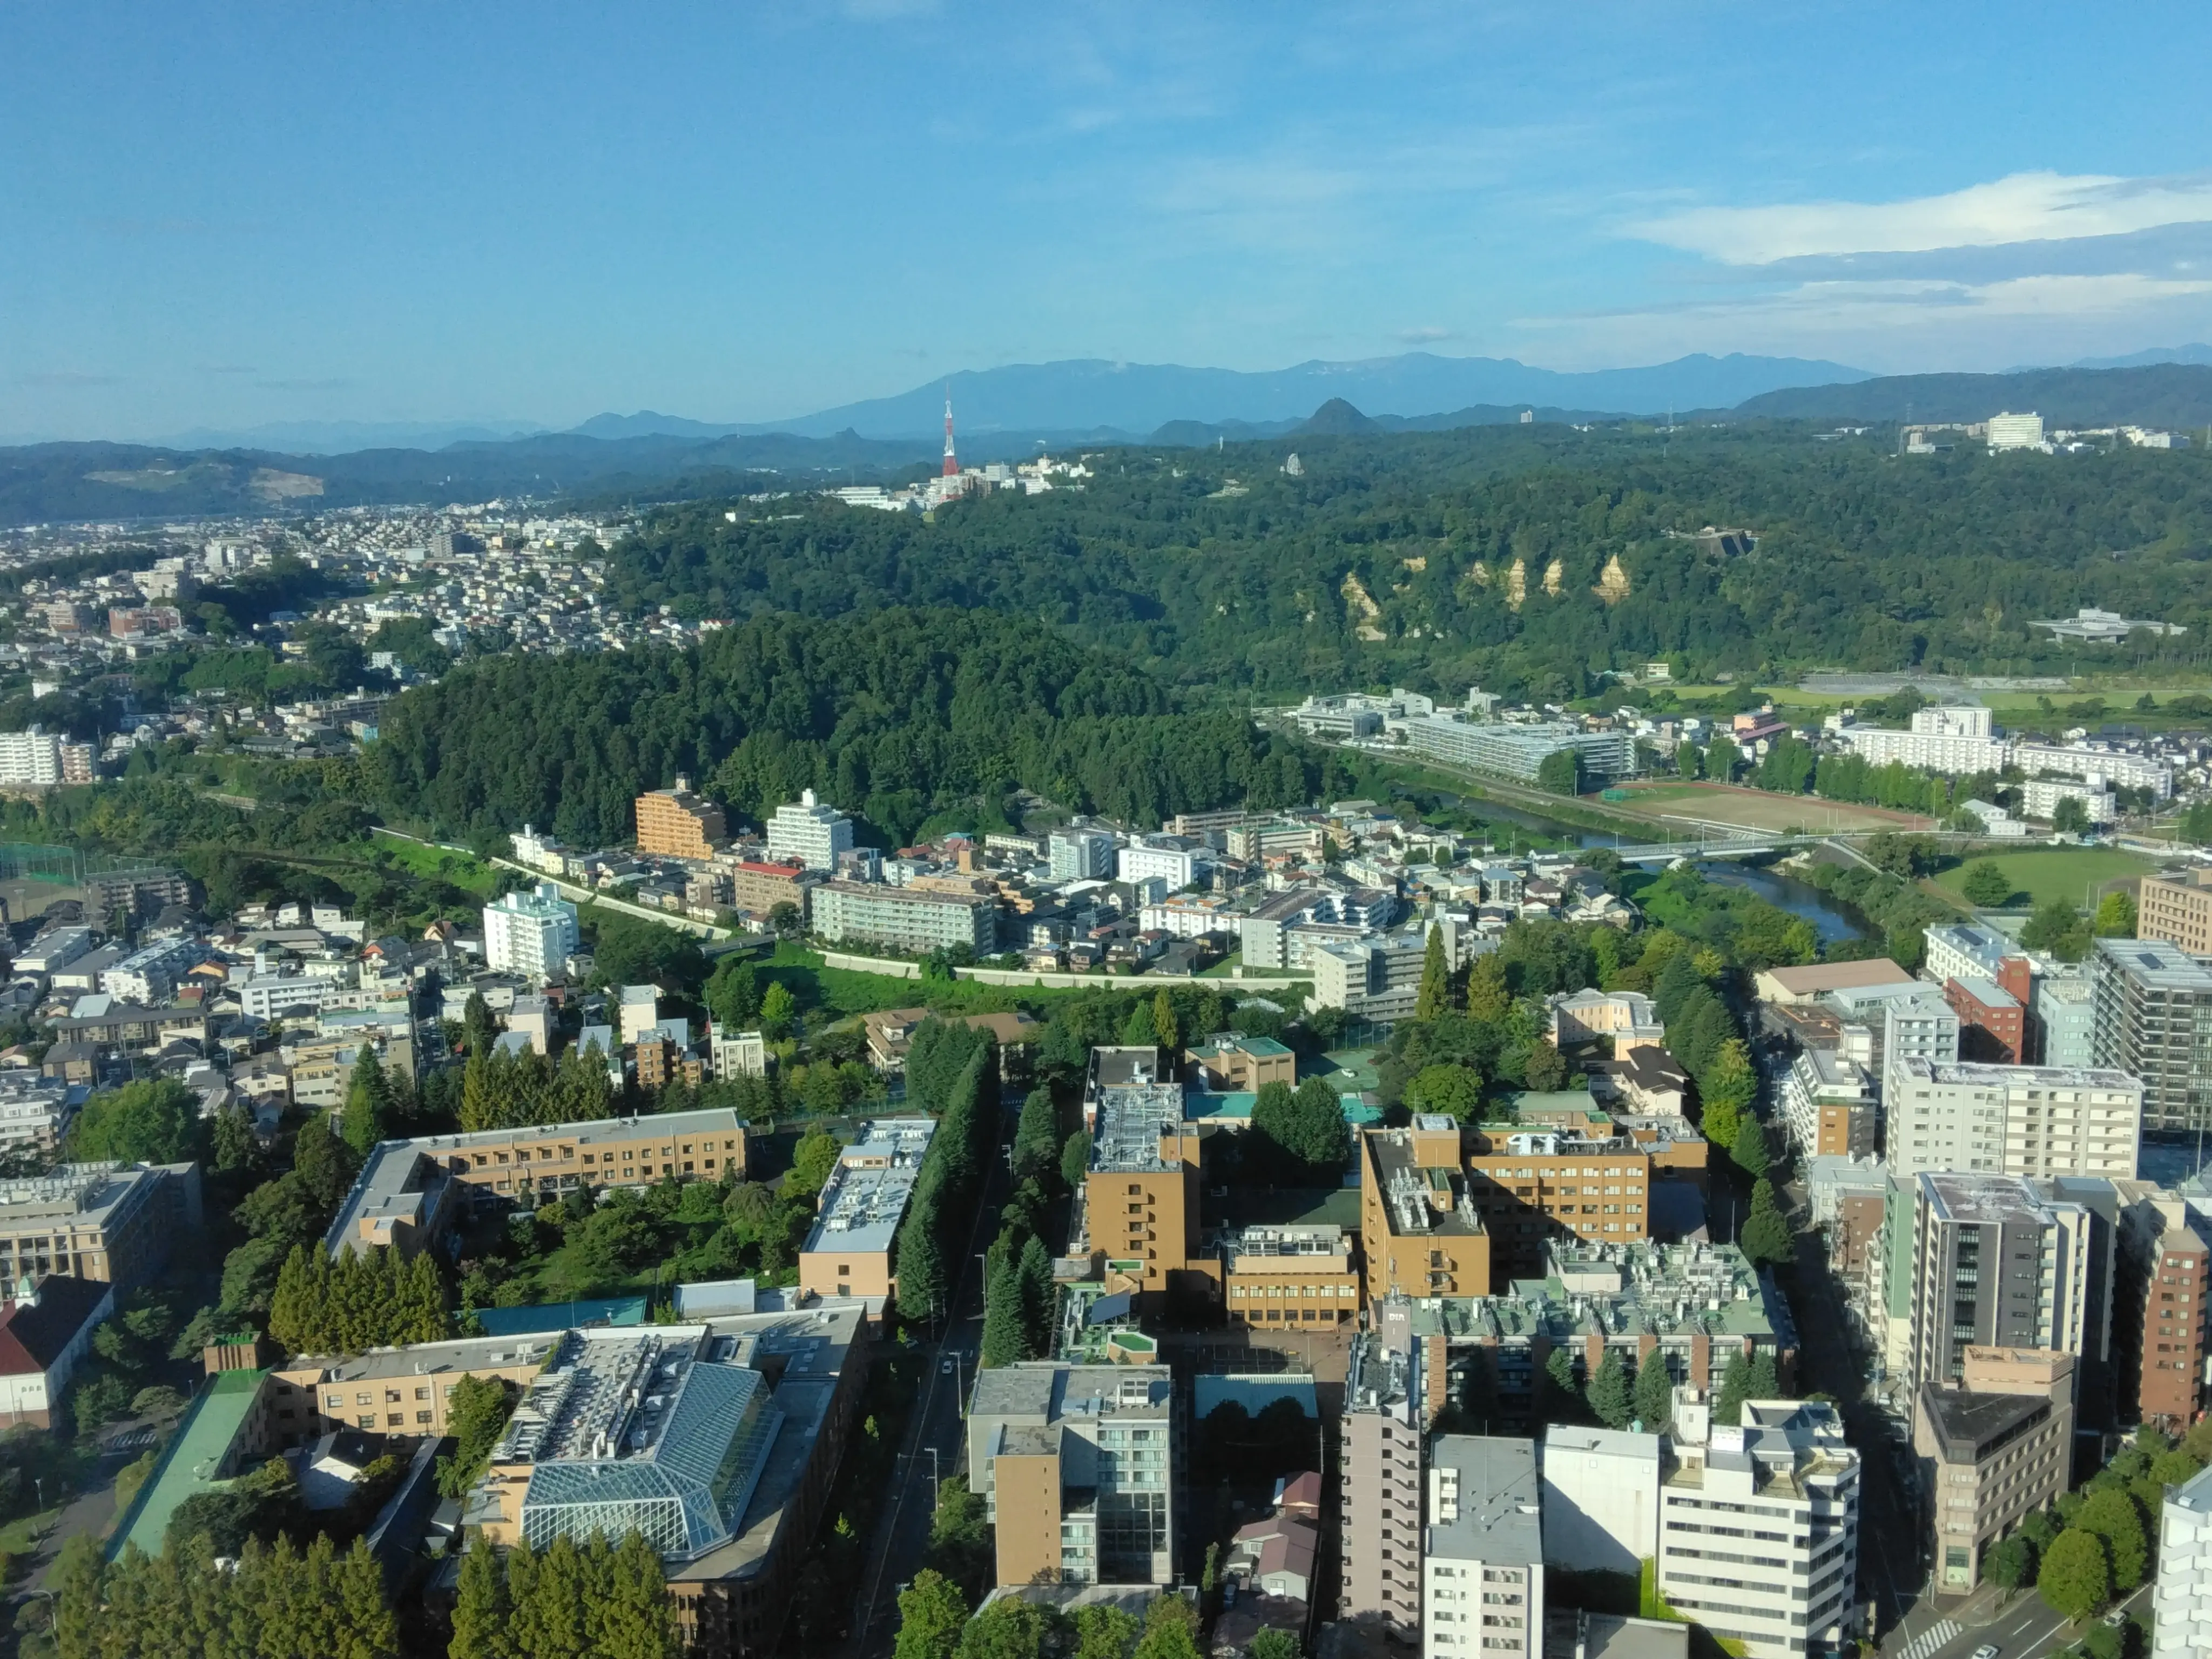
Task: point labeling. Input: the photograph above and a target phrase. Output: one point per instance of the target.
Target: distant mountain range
(1009, 412)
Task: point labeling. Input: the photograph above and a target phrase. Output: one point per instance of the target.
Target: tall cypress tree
(1608, 1392)
(1735, 1389)
(1654, 1394)
(1040, 1298)
(480, 1607)
(1006, 1327)
(1436, 977)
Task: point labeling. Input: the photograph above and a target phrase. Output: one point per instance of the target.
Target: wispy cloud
(1427, 335)
(227, 368)
(63, 379)
(303, 385)
(2023, 207)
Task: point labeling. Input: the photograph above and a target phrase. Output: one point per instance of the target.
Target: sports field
(1677, 803)
(2072, 873)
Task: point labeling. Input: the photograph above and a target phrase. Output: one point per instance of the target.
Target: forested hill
(1395, 558)
(2158, 394)
(897, 713)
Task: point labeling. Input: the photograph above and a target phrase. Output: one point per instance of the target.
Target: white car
(1987, 1651)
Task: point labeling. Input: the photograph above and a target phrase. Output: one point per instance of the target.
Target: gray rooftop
(1494, 1517)
(2040, 1077)
(866, 1194)
(1983, 1200)
(2160, 966)
(1040, 1391)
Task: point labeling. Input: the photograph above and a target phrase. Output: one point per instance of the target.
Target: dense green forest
(894, 713)
(1232, 579)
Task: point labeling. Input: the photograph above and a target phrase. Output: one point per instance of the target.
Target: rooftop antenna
(951, 463)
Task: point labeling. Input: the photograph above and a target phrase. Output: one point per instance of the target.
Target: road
(901, 1536)
(2022, 1629)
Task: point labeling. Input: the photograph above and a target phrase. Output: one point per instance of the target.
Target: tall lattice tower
(951, 461)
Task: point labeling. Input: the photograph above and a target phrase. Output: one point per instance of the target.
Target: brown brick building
(678, 824)
(758, 887)
(2158, 1337)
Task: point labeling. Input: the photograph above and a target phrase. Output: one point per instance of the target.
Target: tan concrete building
(1235, 1064)
(410, 1191)
(107, 1222)
(1275, 1278)
(1140, 1196)
(1531, 1189)
(758, 886)
(2159, 1331)
(1076, 1464)
(2176, 908)
(677, 824)
(1992, 1452)
(849, 1250)
(407, 1390)
(1420, 1228)
(1803, 985)
(1379, 1496)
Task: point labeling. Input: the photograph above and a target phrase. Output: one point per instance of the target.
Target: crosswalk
(1929, 1640)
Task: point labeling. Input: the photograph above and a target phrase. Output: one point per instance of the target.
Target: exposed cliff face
(1613, 581)
(1362, 605)
(1516, 584)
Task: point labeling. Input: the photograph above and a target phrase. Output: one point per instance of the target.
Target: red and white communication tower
(951, 461)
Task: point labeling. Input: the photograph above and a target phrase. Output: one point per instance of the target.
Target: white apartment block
(1147, 861)
(1079, 855)
(2133, 771)
(531, 933)
(1921, 1026)
(2034, 1121)
(1965, 950)
(1942, 740)
(2039, 798)
(2010, 431)
(42, 759)
(1758, 1531)
(2181, 1603)
(149, 975)
(1482, 1551)
(1601, 1497)
(808, 833)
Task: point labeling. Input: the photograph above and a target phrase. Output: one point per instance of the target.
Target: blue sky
(226, 215)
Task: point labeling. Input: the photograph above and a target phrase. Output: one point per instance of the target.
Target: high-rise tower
(951, 461)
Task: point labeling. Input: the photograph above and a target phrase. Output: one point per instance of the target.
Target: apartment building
(109, 1222)
(151, 973)
(1601, 1497)
(848, 1251)
(1922, 1025)
(675, 823)
(2062, 1019)
(36, 1111)
(2033, 1121)
(1533, 1191)
(1995, 1264)
(1141, 1194)
(1276, 1277)
(2153, 1021)
(1993, 1450)
(409, 1192)
(1380, 1486)
(1371, 978)
(904, 918)
(758, 886)
(808, 833)
(1165, 859)
(1076, 1466)
(1758, 1531)
(2163, 1273)
(1482, 1554)
(531, 933)
(40, 760)
(736, 1054)
(1420, 1228)
(1960, 742)
(1967, 950)
(1828, 1105)
(2181, 1602)
(1518, 751)
(1079, 855)
(2175, 908)
(1992, 1021)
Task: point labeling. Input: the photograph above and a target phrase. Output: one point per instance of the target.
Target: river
(1830, 918)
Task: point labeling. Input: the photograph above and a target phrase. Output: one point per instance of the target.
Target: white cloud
(2023, 207)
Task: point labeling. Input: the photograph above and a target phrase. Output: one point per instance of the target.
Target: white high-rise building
(2040, 1121)
(1760, 1529)
(1161, 861)
(532, 933)
(1081, 855)
(2181, 1604)
(1482, 1550)
(2010, 431)
(808, 833)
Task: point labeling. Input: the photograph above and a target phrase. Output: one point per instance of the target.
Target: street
(2022, 1629)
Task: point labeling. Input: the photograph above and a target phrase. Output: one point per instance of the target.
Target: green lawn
(471, 874)
(2066, 873)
